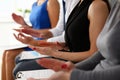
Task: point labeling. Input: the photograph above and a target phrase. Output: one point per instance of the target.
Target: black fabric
(105, 64)
(77, 28)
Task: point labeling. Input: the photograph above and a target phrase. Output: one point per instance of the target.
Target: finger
(31, 79)
(15, 36)
(44, 43)
(19, 37)
(32, 47)
(22, 35)
(15, 17)
(26, 30)
(36, 79)
(18, 30)
(37, 49)
(54, 64)
(18, 19)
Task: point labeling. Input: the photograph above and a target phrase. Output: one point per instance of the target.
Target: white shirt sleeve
(58, 30)
(59, 38)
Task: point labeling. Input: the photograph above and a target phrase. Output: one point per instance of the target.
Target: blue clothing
(39, 17)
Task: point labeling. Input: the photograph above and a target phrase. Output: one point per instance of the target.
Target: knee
(4, 55)
(18, 68)
(11, 54)
(15, 71)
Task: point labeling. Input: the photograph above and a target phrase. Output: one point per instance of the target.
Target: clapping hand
(63, 69)
(18, 19)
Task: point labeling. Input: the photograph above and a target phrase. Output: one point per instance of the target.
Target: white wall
(9, 6)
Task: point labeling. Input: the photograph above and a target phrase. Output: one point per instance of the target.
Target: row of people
(72, 40)
(102, 65)
(44, 15)
(83, 25)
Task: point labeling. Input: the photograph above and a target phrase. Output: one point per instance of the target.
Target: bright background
(7, 7)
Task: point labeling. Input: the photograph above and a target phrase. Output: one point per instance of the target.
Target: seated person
(42, 16)
(80, 38)
(103, 65)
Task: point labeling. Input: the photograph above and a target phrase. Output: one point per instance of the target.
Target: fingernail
(58, 43)
(64, 66)
(34, 48)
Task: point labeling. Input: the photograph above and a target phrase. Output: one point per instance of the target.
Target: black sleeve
(112, 73)
(91, 62)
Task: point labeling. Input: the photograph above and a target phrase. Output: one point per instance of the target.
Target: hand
(24, 39)
(63, 73)
(44, 50)
(29, 31)
(55, 64)
(18, 19)
(47, 48)
(56, 45)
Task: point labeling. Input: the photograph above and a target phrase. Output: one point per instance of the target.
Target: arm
(53, 11)
(18, 19)
(107, 74)
(91, 62)
(59, 27)
(97, 15)
(57, 38)
(41, 43)
(68, 72)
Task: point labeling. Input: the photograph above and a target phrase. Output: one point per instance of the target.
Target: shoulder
(34, 4)
(98, 5)
(52, 1)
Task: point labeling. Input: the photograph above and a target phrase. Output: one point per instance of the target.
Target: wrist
(33, 42)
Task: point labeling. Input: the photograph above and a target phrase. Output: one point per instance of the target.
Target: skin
(9, 55)
(97, 14)
(62, 72)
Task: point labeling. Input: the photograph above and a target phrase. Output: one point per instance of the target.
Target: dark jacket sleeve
(90, 63)
(112, 73)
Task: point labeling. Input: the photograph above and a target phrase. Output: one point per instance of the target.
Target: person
(57, 33)
(44, 15)
(80, 38)
(103, 65)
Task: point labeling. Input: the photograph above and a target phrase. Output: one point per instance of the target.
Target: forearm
(108, 74)
(34, 42)
(71, 56)
(45, 33)
(91, 62)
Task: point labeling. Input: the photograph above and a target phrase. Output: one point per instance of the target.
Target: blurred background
(7, 7)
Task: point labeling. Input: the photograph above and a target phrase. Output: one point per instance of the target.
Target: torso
(108, 41)
(77, 28)
(39, 17)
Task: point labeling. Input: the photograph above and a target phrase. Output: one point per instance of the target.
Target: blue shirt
(39, 17)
